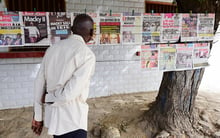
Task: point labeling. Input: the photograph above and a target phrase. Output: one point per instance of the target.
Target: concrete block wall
(105, 5)
(117, 69)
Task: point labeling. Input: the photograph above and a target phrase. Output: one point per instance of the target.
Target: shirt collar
(78, 37)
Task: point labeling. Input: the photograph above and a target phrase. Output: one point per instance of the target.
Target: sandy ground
(120, 111)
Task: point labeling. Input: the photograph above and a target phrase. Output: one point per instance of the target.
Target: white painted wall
(117, 68)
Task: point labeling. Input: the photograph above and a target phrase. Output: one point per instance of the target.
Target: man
(63, 82)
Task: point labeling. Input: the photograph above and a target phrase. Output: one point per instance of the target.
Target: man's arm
(73, 86)
(39, 94)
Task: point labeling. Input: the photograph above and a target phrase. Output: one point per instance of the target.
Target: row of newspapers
(46, 28)
(169, 57)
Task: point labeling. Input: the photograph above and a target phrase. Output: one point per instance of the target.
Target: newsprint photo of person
(62, 84)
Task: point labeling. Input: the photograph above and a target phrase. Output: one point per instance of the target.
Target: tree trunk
(174, 108)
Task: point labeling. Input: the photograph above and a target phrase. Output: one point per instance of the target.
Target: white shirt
(65, 74)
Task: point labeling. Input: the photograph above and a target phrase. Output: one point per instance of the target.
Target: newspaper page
(167, 58)
(149, 57)
(171, 28)
(189, 27)
(131, 28)
(151, 27)
(201, 55)
(35, 28)
(184, 57)
(110, 28)
(11, 31)
(206, 26)
(59, 24)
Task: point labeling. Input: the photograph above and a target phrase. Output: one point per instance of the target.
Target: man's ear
(91, 32)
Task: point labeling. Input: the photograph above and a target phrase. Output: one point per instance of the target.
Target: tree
(174, 107)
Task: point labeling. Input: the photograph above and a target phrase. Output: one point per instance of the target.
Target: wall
(117, 68)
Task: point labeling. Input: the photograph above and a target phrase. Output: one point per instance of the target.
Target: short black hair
(79, 25)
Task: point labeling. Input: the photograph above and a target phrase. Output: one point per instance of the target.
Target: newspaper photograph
(110, 28)
(206, 26)
(11, 31)
(35, 28)
(59, 26)
(151, 27)
(171, 28)
(189, 27)
(131, 28)
(149, 57)
(184, 56)
(201, 55)
(167, 57)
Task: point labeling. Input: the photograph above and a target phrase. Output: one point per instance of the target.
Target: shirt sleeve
(39, 89)
(76, 83)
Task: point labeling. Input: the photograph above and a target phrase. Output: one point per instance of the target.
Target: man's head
(83, 26)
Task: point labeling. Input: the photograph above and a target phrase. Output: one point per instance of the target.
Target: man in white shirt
(62, 84)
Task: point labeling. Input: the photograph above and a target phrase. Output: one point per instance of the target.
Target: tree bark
(174, 108)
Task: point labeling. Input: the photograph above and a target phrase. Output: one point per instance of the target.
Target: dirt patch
(124, 111)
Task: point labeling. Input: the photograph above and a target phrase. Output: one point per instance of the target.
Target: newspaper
(59, 24)
(35, 28)
(11, 31)
(184, 56)
(171, 28)
(149, 57)
(201, 55)
(151, 27)
(206, 27)
(95, 36)
(110, 28)
(131, 28)
(167, 58)
(189, 27)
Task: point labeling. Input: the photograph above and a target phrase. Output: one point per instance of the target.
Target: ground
(124, 111)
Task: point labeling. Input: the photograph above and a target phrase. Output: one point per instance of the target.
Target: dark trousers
(80, 133)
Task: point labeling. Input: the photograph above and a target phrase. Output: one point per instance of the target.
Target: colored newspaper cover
(184, 56)
(149, 57)
(95, 35)
(167, 58)
(171, 28)
(35, 28)
(131, 28)
(59, 23)
(11, 32)
(200, 55)
(189, 27)
(151, 28)
(206, 26)
(110, 28)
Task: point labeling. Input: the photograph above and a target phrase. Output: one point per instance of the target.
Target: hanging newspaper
(200, 55)
(149, 57)
(171, 27)
(131, 28)
(167, 60)
(151, 28)
(59, 23)
(35, 28)
(184, 56)
(189, 27)
(110, 28)
(206, 27)
(11, 32)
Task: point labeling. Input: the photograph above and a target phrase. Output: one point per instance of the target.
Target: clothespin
(190, 12)
(85, 10)
(110, 12)
(34, 9)
(206, 13)
(6, 10)
(152, 11)
(168, 43)
(132, 12)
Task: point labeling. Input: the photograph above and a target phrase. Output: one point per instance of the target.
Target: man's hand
(43, 97)
(37, 126)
